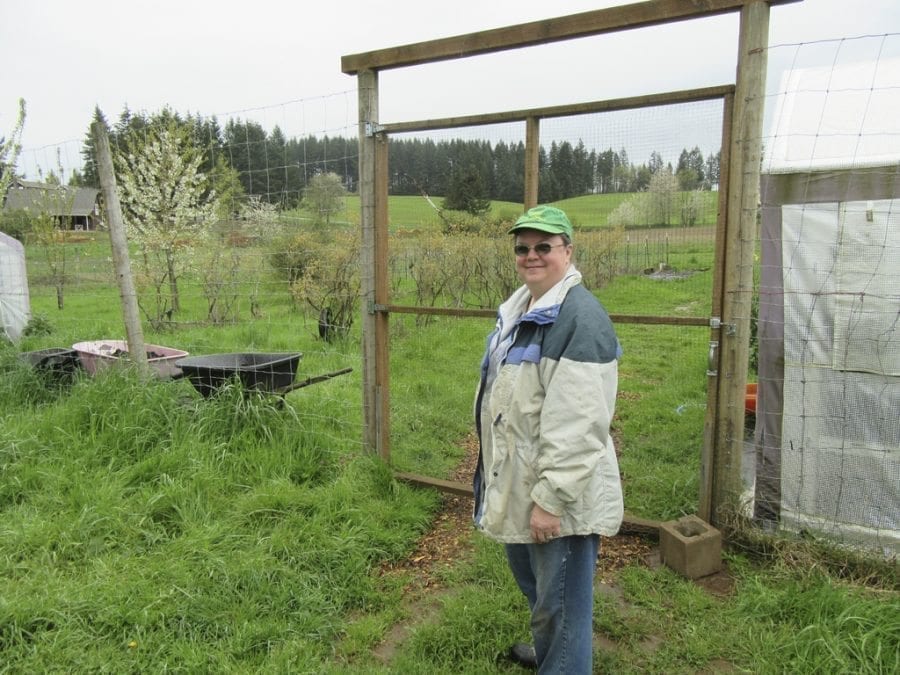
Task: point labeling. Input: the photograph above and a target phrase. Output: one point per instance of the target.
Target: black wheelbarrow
(272, 373)
(56, 364)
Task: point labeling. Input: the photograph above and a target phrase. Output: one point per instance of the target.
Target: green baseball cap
(546, 219)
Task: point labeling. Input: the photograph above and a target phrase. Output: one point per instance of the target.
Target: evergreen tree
(689, 170)
(583, 169)
(246, 143)
(207, 135)
(603, 172)
(642, 177)
(623, 173)
(547, 191)
(276, 159)
(76, 179)
(467, 191)
(509, 171)
(90, 176)
(562, 165)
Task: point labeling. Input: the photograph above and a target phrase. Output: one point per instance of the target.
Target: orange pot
(750, 399)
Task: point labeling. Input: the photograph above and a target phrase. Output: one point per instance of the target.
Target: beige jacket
(544, 408)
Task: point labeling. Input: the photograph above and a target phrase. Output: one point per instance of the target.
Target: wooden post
(532, 156)
(707, 454)
(367, 84)
(740, 241)
(133, 330)
(382, 298)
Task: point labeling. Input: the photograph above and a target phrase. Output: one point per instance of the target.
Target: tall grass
(145, 528)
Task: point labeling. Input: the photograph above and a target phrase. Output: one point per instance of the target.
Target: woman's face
(540, 272)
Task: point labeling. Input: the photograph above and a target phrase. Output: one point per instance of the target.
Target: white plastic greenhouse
(827, 432)
(15, 307)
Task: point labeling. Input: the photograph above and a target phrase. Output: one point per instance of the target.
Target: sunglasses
(541, 249)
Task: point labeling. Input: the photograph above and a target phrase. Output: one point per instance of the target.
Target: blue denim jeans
(558, 580)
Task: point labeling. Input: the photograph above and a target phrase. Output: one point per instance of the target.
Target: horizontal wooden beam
(436, 311)
(591, 107)
(660, 320)
(595, 22)
(492, 313)
(450, 486)
(646, 527)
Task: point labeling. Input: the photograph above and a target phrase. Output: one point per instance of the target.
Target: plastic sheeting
(828, 435)
(836, 117)
(15, 307)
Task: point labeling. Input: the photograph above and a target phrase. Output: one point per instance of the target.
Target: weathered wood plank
(367, 88)
(609, 105)
(595, 22)
(382, 292)
(492, 313)
(450, 486)
(740, 236)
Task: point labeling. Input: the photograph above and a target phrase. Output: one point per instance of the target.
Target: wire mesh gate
(737, 208)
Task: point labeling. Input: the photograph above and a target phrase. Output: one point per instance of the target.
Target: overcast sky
(65, 57)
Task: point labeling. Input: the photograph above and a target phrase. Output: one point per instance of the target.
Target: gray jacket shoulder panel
(582, 331)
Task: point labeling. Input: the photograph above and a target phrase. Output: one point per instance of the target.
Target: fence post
(741, 236)
(119, 243)
(532, 155)
(375, 410)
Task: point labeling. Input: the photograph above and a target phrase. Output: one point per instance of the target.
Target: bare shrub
(329, 283)
(596, 254)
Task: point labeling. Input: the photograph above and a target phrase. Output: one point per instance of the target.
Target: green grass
(409, 212)
(214, 534)
(144, 529)
(592, 211)
(414, 212)
(776, 620)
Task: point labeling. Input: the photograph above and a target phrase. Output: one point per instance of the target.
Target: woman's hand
(544, 525)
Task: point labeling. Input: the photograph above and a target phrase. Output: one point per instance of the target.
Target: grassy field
(587, 211)
(145, 529)
(410, 212)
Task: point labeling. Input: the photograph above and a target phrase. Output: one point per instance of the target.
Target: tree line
(276, 169)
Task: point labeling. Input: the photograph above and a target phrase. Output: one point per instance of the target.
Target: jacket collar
(546, 308)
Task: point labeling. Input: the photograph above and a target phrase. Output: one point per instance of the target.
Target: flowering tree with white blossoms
(9, 152)
(168, 206)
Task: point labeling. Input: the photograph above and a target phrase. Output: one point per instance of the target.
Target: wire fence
(275, 273)
(826, 440)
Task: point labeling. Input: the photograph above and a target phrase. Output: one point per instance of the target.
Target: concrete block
(690, 546)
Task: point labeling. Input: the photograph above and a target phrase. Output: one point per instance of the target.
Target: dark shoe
(523, 654)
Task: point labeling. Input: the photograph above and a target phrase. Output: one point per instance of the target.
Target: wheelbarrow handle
(311, 380)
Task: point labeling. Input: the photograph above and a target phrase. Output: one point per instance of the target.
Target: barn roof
(56, 200)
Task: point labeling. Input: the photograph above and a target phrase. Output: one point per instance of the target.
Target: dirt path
(450, 541)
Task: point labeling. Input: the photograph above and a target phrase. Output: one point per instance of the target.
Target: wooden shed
(73, 208)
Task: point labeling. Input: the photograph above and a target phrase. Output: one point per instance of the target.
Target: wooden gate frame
(736, 231)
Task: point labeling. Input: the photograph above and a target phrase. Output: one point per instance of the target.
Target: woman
(547, 482)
